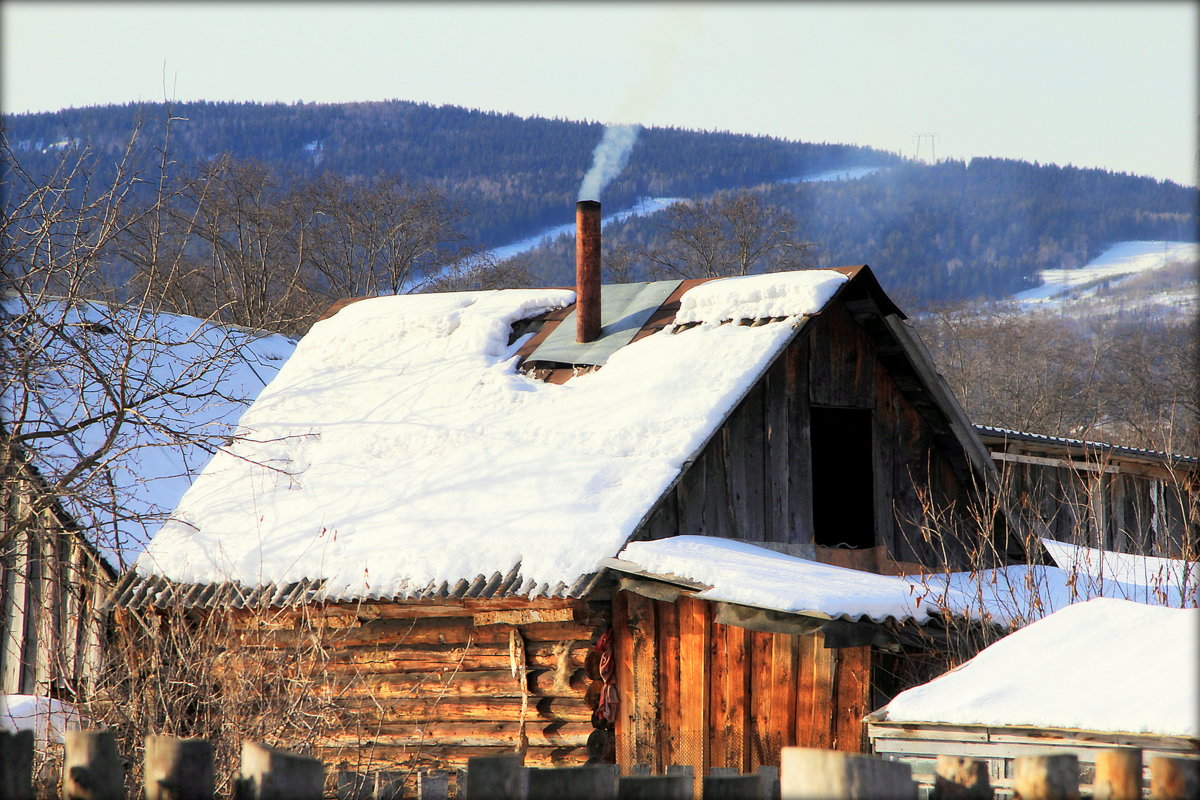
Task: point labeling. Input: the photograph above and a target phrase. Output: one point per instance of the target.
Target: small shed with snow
(441, 478)
(1098, 674)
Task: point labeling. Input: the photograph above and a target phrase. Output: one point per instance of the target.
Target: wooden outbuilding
(817, 429)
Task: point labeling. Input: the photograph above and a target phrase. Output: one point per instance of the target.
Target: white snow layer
(1103, 665)
(1119, 261)
(400, 447)
(209, 372)
(1128, 568)
(775, 294)
(46, 717)
(743, 573)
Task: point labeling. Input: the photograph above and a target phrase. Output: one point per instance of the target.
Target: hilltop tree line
(512, 175)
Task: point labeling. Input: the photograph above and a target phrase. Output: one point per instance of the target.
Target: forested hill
(516, 175)
(943, 231)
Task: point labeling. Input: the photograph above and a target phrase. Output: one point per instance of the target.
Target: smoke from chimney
(608, 159)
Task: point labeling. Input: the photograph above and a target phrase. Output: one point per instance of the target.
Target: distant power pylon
(932, 137)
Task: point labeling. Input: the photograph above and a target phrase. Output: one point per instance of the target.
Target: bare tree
(724, 235)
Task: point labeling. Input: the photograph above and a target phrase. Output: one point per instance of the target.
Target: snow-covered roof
(400, 452)
(1103, 665)
(746, 574)
(185, 381)
(1089, 447)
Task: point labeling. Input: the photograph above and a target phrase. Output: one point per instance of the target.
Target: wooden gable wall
(754, 479)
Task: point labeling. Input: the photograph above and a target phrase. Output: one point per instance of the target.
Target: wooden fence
(182, 769)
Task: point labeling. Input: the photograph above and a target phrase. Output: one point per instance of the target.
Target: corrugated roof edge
(135, 591)
(1137, 452)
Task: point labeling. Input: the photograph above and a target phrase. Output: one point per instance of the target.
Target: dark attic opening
(843, 478)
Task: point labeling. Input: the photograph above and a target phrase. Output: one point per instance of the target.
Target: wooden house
(53, 583)
(439, 479)
(1101, 674)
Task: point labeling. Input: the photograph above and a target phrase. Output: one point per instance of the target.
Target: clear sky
(1104, 84)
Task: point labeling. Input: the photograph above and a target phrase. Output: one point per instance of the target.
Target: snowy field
(1116, 265)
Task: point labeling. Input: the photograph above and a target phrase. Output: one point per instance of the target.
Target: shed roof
(404, 453)
(1104, 665)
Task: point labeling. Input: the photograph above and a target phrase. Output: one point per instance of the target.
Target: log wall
(699, 693)
(425, 685)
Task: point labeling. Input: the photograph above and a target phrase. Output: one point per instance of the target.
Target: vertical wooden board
(883, 447)
(744, 466)
(667, 629)
(777, 521)
(622, 642)
(799, 445)
(853, 697)
(34, 612)
(49, 617)
(718, 512)
(644, 714)
(806, 707)
(818, 376)
(824, 665)
(694, 639)
(728, 703)
(772, 691)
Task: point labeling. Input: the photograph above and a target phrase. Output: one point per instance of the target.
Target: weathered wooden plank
(744, 466)
(777, 522)
(694, 637)
(718, 512)
(667, 630)
(761, 699)
(425, 658)
(883, 436)
(492, 683)
(645, 724)
(622, 644)
(853, 698)
(729, 675)
(799, 445)
(395, 631)
(431, 756)
(824, 666)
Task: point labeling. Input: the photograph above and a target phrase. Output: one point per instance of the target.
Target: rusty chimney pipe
(587, 270)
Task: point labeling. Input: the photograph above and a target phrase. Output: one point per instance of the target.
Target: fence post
(596, 781)
(432, 784)
(92, 768)
(1049, 777)
(16, 754)
(352, 785)
(389, 785)
(177, 769)
(1118, 774)
(770, 781)
(812, 774)
(271, 774)
(733, 787)
(1174, 778)
(654, 787)
(961, 778)
(496, 778)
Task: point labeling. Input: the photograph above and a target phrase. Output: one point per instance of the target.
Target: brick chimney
(587, 270)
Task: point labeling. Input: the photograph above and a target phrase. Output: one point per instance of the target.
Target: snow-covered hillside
(1153, 278)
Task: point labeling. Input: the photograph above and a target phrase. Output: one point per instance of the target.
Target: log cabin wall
(755, 479)
(427, 685)
(710, 695)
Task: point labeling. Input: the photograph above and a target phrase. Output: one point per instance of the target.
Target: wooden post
(496, 778)
(432, 784)
(351, 785)
(961, 778)
(1118, 774)
(812, 774)
(177, 769)
(92, 768)
(1174, 778)
(1049, 777)
(654, 787)
(271, 774)
(16, 755)
(597, 781)
(733, 787)
(770, 781)
(389, 785)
